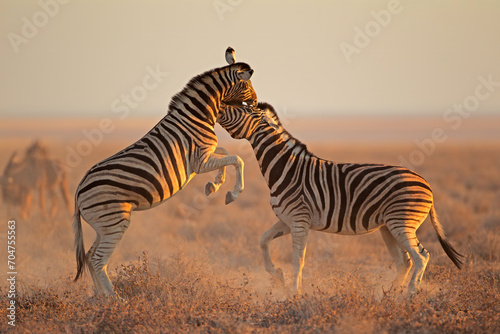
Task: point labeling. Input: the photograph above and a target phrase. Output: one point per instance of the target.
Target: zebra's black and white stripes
(310, 193)
(158, 165)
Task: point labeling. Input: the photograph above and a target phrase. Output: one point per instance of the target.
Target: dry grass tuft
(179, 294)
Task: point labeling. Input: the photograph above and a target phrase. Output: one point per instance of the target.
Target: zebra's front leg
(300, 232)
(53, 200)
(26, 205)
(212, 187)
(42, 201)
(279, 229)
(217, 161)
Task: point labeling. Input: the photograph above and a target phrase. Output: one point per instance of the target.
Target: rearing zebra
(310, 193)
(158, 165)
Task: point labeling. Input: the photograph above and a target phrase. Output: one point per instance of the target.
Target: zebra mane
(266, 106)
(199, 79)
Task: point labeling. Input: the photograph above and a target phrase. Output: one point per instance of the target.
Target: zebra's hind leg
(109, 234)
(279, 229)
(399, 255)
(405, 233)
(99, 288)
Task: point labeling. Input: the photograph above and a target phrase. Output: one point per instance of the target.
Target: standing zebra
(158, 165)
(310, 193)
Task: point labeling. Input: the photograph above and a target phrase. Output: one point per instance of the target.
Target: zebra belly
(156, 203)
(371, 228)
(348, 227)
(118, 182)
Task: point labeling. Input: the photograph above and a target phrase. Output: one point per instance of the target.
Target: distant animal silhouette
(35, 173)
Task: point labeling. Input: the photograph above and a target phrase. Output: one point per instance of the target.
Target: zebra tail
(79, 246)
(454, 256)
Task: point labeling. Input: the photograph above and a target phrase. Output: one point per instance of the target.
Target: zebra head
(270, 116)
(241, 122)
(241, 88)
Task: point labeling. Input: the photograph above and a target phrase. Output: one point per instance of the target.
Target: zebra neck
(201, 115)
(187, 119)
(275, 150)
(197, 103)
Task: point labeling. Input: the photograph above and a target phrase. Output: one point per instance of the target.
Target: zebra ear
(245, 75)
(230, 55)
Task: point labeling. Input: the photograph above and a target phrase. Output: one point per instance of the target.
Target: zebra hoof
(230, 197)
(210, 188)
(410, 293)
(281, 277)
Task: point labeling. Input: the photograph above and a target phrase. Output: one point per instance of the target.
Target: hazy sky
(76, 58)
